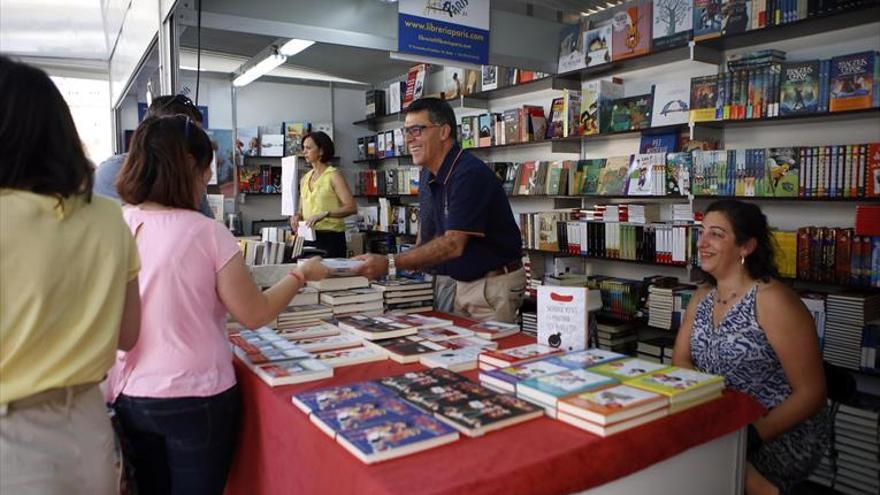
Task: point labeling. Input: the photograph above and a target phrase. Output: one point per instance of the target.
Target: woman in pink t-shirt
(175, 392)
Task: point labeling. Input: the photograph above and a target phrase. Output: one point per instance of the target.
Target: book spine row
(836, 255)
(390, 181)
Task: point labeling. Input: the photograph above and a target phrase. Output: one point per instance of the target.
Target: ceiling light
(294, 46)
(258, 70)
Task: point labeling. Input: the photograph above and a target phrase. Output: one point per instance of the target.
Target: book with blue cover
(340, 396)
(584, 359)
(363, 413)
(547, 389)
(505, 379)
(396, 437)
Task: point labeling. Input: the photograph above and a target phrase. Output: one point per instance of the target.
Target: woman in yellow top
(68, 296)
(325, 199)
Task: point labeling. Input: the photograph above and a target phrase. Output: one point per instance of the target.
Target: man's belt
(504, 270)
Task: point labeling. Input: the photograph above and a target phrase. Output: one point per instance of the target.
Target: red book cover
(829, 242)
(842, 254)
(868, 220)
(803, 253)
(872, 176)
(631, 31)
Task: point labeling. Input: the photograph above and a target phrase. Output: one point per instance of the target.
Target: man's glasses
(416, 130)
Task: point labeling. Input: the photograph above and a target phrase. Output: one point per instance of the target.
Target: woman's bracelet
(298, 275)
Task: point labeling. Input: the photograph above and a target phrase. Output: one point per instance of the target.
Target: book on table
(306, 296)
(370, 308)
(342, 340)
(339, 283)
(353, 355)
(395, 438)
(447, 332)
(366, 411)
(461, 359)
(351, 296)
(515, 355)
(474, 341)
(308, 331)
(546, 390)
(434, 397)
(493, 330)
(420, 322)
(406, 349)
(253, 348)
(479, 413)
(338, 396)
(684, 388)
(612, 410)
(626, 369)
(585, 359)
(414, 380)
(505, 379)
(376, 327)
(291, 371)
(402, 285)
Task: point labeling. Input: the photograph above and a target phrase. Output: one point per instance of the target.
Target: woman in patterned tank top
(747, 326)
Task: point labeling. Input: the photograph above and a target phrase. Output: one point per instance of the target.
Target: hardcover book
(612, 404)
(673, 22)
(671, 104)
(613, 177)
(597, 45)
(852, 81)
(546, 390)
(784, 169)
(478, 416)
(571, 49)
(295, 371)
(597, 97)
(799, 89)
(629, 114)
(347, 357)
(626, 369)
(707, 19)
(611, 429)
(703, 98)
(585, 359)
(396, 438)
(680, 385)
(339, 396)
(631, 34)
(493, 330)
(505, 379)
(515, 355)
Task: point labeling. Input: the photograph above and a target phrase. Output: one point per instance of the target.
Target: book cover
(461, 359)
(556, 122)
(453, 82)
(631, 34)
(271, 144)
(415, 380)
(625, 369)
(247, 141)
(597, 45)
(641, 174)
(493, 330)
(489, 78)
(707, 19)
(703, 98)
(673, 22)
(629, 114)
(433, 398)
(309, 331)
(612, 404)
(592, 171)
(293, 136)
(376, 327)
(347, 357)
(585, 359)
(415, 84)
(330, 342)
(613, 177)
(783, 166)
(364, 413)
(395, 438)
(852, 81)
(339, 396)
(665, 142)
(679, 384)
(480, 415)
(799, 88)
(407, 349)
(597, 97)
(562, 317)
(571, 49)
(505, 379)
(736, 16)
(290, 372)
(671, 104)
(678, 172)
(547, 389)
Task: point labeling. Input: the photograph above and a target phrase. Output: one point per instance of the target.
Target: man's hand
(374, 266)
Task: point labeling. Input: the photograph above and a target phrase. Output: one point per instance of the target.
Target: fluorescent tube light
(259, 70)
(294, 46)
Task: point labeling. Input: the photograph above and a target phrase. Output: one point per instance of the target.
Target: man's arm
(449, 246)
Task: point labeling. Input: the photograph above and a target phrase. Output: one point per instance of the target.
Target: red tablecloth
(281, 451)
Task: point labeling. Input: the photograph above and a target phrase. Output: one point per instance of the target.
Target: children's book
(631, 34)
(492, 359)
(505, 379)
(852, 81)
(571, 49)
(493, 330)
(585, 359)
(678, 172)
(799, 89)
(642, 173)
(783, 167)
(395, 438)
(461, 359)
(626, 369)
(611, 429)
(408, 382)
(613, 404)
(671, 103)
(592, 171)
(629, 114)
(353, 355)
(361, 414)
(597, 45)
(339, 396)
(672, 23)
(613, 177)
(546, 390)
(680, 385)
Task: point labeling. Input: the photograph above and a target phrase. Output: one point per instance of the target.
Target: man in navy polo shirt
(476, 238)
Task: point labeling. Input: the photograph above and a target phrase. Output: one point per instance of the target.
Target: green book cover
(592, 170)
(783, 169)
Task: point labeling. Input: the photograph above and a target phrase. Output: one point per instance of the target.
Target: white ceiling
(53, 28)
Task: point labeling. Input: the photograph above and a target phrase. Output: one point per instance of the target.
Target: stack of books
(857, 443)
(617, 336)
(666, 305)
(683, 387)
(408, 349)
(406, 295)
(363, 300)
(657, 349)
(306, 296)
(546, 390)
(276, 360)
(493, 330)
(505, 379)
(847, 314)
(376, 327)
(612, 409)
(353, 355)
(294, 316)
(530, 322)
(339, 283)
(490, 360)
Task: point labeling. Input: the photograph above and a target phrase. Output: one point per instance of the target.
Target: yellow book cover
(674, 382)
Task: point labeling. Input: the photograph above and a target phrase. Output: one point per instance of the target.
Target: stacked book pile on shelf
(618, 336)
(275, 246)
(847, 315)
(387, 182)
(667, 302)
(657, 349)
(355, 300)
(832, 255)
(404, 414)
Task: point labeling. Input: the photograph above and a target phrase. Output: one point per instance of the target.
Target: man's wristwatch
(392, 268)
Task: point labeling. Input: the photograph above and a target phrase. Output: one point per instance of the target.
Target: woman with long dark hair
(175, 392)
(747, 326)
(68, 293)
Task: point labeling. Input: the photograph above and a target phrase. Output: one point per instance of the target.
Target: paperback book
(347, 357)
(627, 369)
(478, 415)
(415, 380)
(546, 390)
(395, 438)
(361, 414)
(505, 379)
(612, 409)
(339, 396)
(290, 372)
(309, 331)
(799, 88)
(585, 359)
(407, 349)
(493, 330)
(462, 359)
(376, 327)
(330, 342)
(680, 385)
(516, 355)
